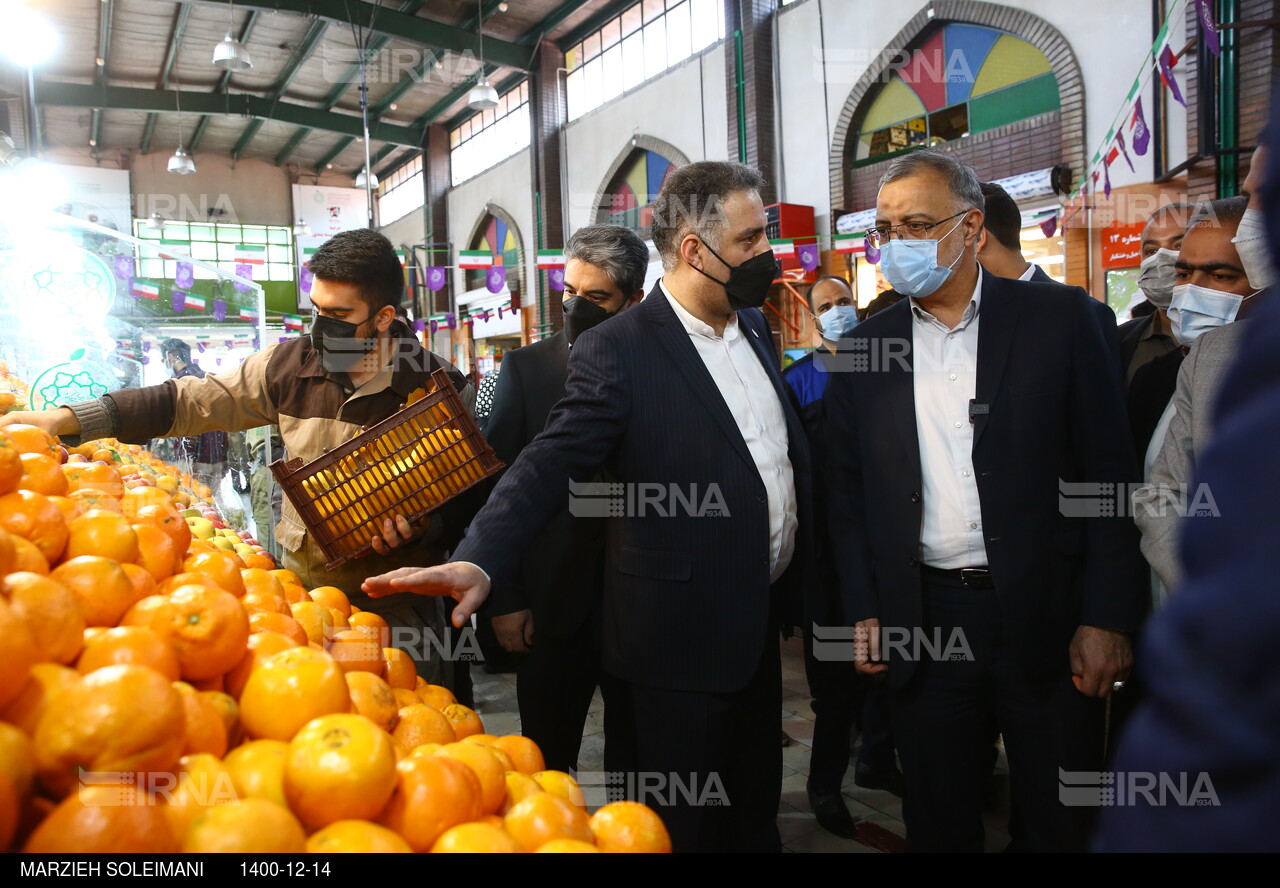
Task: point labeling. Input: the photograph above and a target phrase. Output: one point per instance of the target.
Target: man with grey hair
(681, 404)
(973, 591)
(550, 613)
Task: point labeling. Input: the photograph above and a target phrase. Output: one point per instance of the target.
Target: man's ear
(385, 316)
(636, 298)
(982, 241)
(691, 250)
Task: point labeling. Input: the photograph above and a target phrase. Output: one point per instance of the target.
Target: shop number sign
(1122, 246)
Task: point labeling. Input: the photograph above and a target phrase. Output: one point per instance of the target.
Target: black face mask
(582, 314)
(339, 347)
(748, 283)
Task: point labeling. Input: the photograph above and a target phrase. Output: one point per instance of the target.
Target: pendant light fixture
(365, 179)
(482, 97)
(181, 162)
(231, 54)
(301, 229)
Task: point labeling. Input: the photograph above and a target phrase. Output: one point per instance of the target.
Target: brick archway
(601, 209)
(1020, 23)
(477, 229)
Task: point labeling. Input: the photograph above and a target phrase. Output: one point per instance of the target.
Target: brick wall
(436, 172)
(755, 19)
(548, 115)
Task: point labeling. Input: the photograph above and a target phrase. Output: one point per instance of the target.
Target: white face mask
(1195, 310)
(1251, 244)
(1156, 277)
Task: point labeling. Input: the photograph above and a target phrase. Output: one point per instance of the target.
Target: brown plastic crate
(409, 464)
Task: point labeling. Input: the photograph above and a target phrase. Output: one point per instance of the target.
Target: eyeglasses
(906, 231)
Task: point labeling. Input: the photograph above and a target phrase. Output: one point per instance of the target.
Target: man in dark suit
(681, 404)
(551, 613)
(978, 597)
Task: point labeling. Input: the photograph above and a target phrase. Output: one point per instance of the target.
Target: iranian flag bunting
(251, 254)
(551, 258)
(475, 259)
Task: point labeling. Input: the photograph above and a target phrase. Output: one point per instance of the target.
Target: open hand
(463, 582)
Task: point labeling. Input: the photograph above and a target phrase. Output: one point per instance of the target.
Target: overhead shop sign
(1020, 187)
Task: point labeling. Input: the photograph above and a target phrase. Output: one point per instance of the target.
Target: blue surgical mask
(911, 266)
(837, 321)
(1195, 310)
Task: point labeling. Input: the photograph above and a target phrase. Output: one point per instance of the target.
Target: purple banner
(451, 322)
(1204, 14)
(123, 267)
(419, 325)
(808, 256)
(495, 278)
(305, 278)
(184, 276)
(435, 278)
(219, 310)
(1167, 61)
(245, 271)
(1050, 226)
(179, 300)
(1106, 178)
(871, 253)
(1124, 151)
(555, 277)
(1141, 135)
(433, 327)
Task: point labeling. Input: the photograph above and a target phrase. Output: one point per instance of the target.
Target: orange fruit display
(31, 439)
(315, 620)
(45, 682)
(373, 698)
(17, 759)
(372, 625)
(27, 557)
(186, 578)
(42, 473)
(92, 821)
(542, 817)
(286, 576)
(10, 463)
(257, 769)
(36, 519)
(50, 611)
(339, 767)
(558, 783)
(228, 710)
(524, 753)
(207, 628)
(517, 787)
(93, 476)
(120, 718)
(105, 534)
(144, 585)
(398, 669)
(90, 499)
(331, 596)
(137, 645)
(432, 794)
(465, 721)
(205, 731)
(475, 838)
(294, 593)
(163, 516)
(289, 689)
(420, 724)
(356, 652)
(356, 837)
(20, 653)
(249, 826)
(568, 846)
(437, 696)
(157, 553)
(8, 552)
(282, 624)
(222, 567)
(203, 781)
(259, 646)
(103, 589)
(630, 827)
(141, 612)
(488, 770)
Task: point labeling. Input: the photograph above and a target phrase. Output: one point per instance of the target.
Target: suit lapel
(899, 378)
(997, 324)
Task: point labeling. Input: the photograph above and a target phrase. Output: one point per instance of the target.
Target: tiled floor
(496, 703)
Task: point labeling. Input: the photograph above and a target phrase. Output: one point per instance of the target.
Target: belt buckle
(980, 576)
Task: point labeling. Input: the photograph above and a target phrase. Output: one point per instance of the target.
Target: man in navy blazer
(680, 402)
(966, 412)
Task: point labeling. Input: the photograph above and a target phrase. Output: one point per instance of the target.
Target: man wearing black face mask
(681, 404)
(551, 612)
(359, 366)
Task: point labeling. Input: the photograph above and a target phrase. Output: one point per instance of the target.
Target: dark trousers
(710, 764)
(842, 699)
(944, 719)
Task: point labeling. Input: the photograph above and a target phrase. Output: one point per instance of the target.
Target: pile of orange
(161, 695)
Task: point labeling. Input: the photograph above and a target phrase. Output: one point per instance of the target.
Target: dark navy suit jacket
(687, 599)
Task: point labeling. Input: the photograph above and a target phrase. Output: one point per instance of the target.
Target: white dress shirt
(1026, 275)
(945, 379)
(745, 386)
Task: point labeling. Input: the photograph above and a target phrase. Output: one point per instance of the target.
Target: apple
(201, 528)
(63, 455)
(223, 543)
(190, 513)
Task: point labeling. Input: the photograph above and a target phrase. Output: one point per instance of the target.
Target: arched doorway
(488, 317)
(633, 182)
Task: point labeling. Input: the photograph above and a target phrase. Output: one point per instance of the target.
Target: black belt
(973, 577)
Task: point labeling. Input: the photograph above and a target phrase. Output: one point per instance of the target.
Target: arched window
(633, 189)
(963, 79)
(498, 238)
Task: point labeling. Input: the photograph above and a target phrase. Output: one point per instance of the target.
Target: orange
(558, 783)
(207, 627)
(17, 760)
(50, 611)
(223, 567)
(93, 476)
(90, 499)
(10, 463)
(541, 817)
(259, 646)
(464, 720)
(405, 697)
(568, 846)
(120, 718)
(157, 552)
(42, 474)
(46, 681)
(432, 794)
(356, 837)
(425, 749)
(92, 821)
(20, 652)
(475, 838)
(266, 601)
(34, 518)
(250, 826)
(283, 624)
(286, 576)
(141, 612)
(208, 684)
(420, 724)
(205, 731)
(315, 619)
(630, 827)
(163, 517)
(139, 645)
(437, 696)
(27, 557)
(186, 578)
(339, 620)
(103, 455)
(372, 625)
(372, 697)
(339, 767)
(356, 652)
(294, 593)
(488, 770)
(398, 669)
(289, 689)
(524, 753)
(70, 508)
(8, 552)
(258, 561)
(228, 710)
(517, 787)
(105, 534)
(331, 596)
(30, 439)
(133, 500)
(103, 589)
(257, 769)
(203, 781)
(258, 580)
(144, 585)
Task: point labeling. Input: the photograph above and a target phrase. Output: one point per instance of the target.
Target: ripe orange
(558, 783)
(339, 767)
(465, 721)
(203, 781)
(30, 439)
(630, 827)
(398, 668)
(103, 589)
(135, 499)
(356, 837)
(265, 621)
(10, 463)
(94, 476)
(315, 619)
(139, 645)
(257, 769)
(8, 552)
(517, 787)
(405, 697)
(46, 681)
(433, 793)
(420, 724)
(356, 652)
(289, 689)
(524, 753)
(90, 499)
(331, 596)
(141, 612)
(163, 516)
(294, 593)
(437, 696)
(157, 552)
(144, 585)
(34, 518)
(70, 508)
(250, 826)
(372, 697)
(258, 561)
(20, 653)
(541, 817)
(258, 580)
(105, 534)
(208, 629)
(186, 578)
(488, 770)
(475, 838)
(42, 473)
(339, 620)
(50, 611)
(27, 557)
(92, 821)
(205, 731)
(259, 646)
(266, 601)
(486, 740)
(568, 846)
(223, 567)
(286, 576)
(120, 718)
(228, 710)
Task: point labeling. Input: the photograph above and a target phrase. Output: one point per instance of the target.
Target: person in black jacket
(551, 612)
